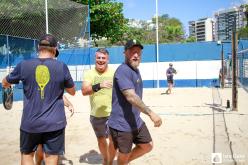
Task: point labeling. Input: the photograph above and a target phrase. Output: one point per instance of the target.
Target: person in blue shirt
(170, 81)
(43, 119)
(125, 124)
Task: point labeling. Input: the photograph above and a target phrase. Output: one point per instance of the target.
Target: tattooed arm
(136, 101)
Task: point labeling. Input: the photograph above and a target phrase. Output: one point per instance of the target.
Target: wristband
(96, 87)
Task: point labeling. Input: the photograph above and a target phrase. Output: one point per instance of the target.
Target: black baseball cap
(131, 43)
(50, 41)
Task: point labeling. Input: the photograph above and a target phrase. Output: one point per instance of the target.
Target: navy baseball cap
(50, 41)
(131, 43)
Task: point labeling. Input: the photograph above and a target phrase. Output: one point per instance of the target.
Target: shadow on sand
(91, 157)
(165, 93)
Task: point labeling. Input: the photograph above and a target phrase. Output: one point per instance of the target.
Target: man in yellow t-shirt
(97, 83)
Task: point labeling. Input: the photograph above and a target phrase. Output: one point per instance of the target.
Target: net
(23, 22)
(67, 20)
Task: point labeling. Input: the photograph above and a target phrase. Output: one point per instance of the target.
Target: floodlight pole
(46, 17)
(89, 44)
(157, 48)
(7, 46)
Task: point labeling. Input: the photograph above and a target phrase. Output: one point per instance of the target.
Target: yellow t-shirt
(100, 101)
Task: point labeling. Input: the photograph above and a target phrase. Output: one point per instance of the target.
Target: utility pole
(234, 68)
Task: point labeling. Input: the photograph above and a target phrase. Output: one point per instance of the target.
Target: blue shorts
(53, 143)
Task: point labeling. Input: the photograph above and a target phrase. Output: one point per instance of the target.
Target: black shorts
(123, 141)
(99, 125)
(170, 81)
(53, 143)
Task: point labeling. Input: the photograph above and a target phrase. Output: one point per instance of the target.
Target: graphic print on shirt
(42, 77)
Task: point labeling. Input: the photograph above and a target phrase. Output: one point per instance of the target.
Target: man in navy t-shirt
(125, 124)
(43, 120)
(170, 81)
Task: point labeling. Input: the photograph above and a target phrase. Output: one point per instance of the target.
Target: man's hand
(71, 109)
(174, 71)
(156, 119)
(5, 83)
(106, 84)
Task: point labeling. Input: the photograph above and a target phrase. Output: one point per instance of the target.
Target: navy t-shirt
(44, 81)
(170, 73)
(124, 116)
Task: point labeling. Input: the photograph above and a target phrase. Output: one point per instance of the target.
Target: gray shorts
(99, 125)
(123, 141)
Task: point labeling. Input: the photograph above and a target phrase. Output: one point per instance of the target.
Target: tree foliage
(169, 30)
(110, 24)
(106, 20)
(243, 32)
(190, 39)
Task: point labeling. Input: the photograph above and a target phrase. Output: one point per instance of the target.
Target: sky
(184, 10)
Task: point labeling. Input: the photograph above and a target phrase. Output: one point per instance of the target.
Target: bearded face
(133, 56)
(101, 62)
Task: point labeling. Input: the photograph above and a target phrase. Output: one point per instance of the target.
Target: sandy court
(195, 125)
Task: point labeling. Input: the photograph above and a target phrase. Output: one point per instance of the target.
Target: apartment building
(227, 20)
(202, 29)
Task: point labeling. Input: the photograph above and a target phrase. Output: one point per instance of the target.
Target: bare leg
(139, 150)
(112, 151)
(103, 147)
(168, 89)
(27, 159)
(170, 85)
(39, 155)
(123, 159)
(51, 159)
